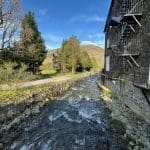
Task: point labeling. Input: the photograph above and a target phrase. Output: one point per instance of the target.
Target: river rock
(1, 146)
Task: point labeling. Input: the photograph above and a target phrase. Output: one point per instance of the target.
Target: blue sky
(59, 19)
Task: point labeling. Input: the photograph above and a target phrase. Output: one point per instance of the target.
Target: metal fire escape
(131, 13)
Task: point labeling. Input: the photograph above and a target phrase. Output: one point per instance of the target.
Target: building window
(149, 76)
(108, 63)
(108, 43)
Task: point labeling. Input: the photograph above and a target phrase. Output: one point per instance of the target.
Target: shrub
(11, 71)
(47, 69)
(106, 94)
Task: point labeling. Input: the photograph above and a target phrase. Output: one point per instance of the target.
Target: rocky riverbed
(77, 120)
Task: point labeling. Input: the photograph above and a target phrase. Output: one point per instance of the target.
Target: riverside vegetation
(22, 60)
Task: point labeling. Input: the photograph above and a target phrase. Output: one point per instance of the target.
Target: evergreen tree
(85, 61)
(74, 53)
(31, 45)
(63, 57)
(69, 54)
(71, 59)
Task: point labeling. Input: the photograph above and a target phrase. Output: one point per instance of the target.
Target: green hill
(96, 54)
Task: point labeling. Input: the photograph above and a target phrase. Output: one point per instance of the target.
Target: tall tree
(74, 49)
(69, 54)
(85, 61)
(63, 57)
(31, 45)
(10, 16)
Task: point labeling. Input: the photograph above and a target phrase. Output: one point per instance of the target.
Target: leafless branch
(10, 16)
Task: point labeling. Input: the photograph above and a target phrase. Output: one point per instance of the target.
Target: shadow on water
(77, 120)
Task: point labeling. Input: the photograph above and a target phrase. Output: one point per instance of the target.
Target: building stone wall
(139, 75)
(130, 106)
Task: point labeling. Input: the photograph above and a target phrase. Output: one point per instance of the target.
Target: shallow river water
(78, 120)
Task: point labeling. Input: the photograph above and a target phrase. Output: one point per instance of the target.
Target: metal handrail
(131, 7)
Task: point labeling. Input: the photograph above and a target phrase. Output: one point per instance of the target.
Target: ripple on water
(56, 115)
(67, 116)
(24, 147)
(90, 112)
(46, 146)
(74, 103)
(80, 142)
(74, 89)
(69, 119)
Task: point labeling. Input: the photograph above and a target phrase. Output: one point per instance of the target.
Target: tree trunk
(73, 70)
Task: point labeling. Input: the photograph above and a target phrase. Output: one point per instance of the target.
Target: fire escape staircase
(131, 11)
(127, 29)
(129, 57)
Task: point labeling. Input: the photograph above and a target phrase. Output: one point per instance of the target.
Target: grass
(48, 72)
(15, 94)
(22, 92)
(11, 94)
(106, 93)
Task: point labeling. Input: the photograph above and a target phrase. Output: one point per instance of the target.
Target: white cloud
(52, 41)
(97, 39)
(52, 47)
(85, 18)
(53, 38)
(96, 35)
(43, 12)
(99, 43)
(89, 43)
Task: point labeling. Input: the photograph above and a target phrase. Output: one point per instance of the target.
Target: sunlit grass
(48, 72)
(106, 93)
(16, 94)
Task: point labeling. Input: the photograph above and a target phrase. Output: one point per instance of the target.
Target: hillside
(96, 54)
(49, 57)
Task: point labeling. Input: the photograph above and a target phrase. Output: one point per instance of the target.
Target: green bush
(47, 69)
(11, 71)
(106, 94)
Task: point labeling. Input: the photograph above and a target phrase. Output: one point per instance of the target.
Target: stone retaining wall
(13, 113)
(129, 105)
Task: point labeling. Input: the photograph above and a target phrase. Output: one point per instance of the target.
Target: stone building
(127, 68)
(127, 41)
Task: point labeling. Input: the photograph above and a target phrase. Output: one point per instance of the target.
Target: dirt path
(40, 82)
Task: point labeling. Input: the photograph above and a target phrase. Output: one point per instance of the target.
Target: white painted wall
(107, 63)
(149, 76)
(108, 43)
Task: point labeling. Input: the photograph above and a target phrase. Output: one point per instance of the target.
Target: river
(77, 120)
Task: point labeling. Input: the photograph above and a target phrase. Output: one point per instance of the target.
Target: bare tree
(10, 15)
